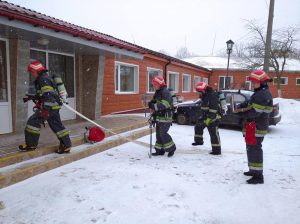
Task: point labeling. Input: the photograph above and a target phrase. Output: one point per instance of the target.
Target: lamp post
(229, 50)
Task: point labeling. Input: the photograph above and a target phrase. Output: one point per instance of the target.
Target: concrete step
(20, 171)
(17, 157)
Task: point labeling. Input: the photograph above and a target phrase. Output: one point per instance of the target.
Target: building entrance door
(5, 100)
(62, 65)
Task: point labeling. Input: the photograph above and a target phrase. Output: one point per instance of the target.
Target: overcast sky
(203, 26)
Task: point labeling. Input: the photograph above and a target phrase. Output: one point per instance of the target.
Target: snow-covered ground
(122, 185)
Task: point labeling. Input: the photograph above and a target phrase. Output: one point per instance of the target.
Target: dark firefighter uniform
(209, 117)
(162, 104)
(46, 93)
(257, 122)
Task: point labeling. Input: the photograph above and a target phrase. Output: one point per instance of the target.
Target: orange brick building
(102, 74)
(238, 77)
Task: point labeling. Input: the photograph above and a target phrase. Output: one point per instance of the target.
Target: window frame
(296, 81)
(248, 82)
(190, 81)
(47, 52)
(285, 78)
(177, 80)
(136, 78)
(194, 86)
(225, 76)
(148, 80)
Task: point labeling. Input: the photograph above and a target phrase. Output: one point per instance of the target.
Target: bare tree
(183, 52)
(283, 46)
(164, 52)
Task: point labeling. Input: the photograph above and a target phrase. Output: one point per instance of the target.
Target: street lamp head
(229, 46)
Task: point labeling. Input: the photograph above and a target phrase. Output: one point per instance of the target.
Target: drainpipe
(165, 70)
(209, 75)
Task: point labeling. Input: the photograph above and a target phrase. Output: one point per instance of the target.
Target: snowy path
(123, 185)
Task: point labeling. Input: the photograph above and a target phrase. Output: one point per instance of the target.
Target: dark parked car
(188, 112)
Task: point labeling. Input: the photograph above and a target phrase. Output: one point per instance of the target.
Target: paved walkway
(9, 143)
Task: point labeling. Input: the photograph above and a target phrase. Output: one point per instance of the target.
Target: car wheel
(182, 119)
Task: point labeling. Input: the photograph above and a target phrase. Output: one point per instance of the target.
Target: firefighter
(209, 117)
(162, 106)
(256, 114)
(48, 103)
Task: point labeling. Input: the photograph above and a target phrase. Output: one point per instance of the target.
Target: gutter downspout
(209, 75)
(165, 70)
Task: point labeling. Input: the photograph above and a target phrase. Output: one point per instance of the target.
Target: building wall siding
(291, 91)
(112, 102)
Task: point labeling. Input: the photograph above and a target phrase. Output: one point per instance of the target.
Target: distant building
(238, 75)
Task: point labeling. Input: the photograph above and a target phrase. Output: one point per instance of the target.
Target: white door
(5, 101)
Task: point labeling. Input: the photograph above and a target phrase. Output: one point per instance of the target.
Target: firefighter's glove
(25, 99)
(207, 121)
(64, 99)
(151, 104)
(45, 114)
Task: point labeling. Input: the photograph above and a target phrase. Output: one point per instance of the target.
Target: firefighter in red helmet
(209, 117)
(162, 105)
(48, 99)
(256, 114)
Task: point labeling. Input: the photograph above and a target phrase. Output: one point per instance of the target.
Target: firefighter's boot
(63, 149)
(25, 148)
(171, 153)
(197, 143)
(249, 173)
(159, 152)
(256, 179)
(215, 152)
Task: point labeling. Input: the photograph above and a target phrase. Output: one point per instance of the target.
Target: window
(126, 78)
(248, 83)
(59, 64)
(3, 73)
(173, 81)
(186, 83)
(197, 79)
(297, 81)
(205, 80)
(224, 82)
(151, 73)
(63, 66)
(283, 80)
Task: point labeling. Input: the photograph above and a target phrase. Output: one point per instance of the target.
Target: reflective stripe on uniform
(204, 108)
(62, 133)
(158, 146)
(255, 166)
(50, 104)
(166, 104)
(56, 107)
(46, 89)
(32, 129)
(200, 136)
(169, 145)
(213, 111)
(260, 133)
(262, 108)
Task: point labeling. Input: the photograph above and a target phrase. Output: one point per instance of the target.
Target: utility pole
(269, 36)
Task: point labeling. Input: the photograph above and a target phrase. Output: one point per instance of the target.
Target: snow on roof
(217, 62)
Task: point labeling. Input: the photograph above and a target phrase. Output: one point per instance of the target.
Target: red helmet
(35, 66)
(159, 80)
(259, 76)
(201, 86)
